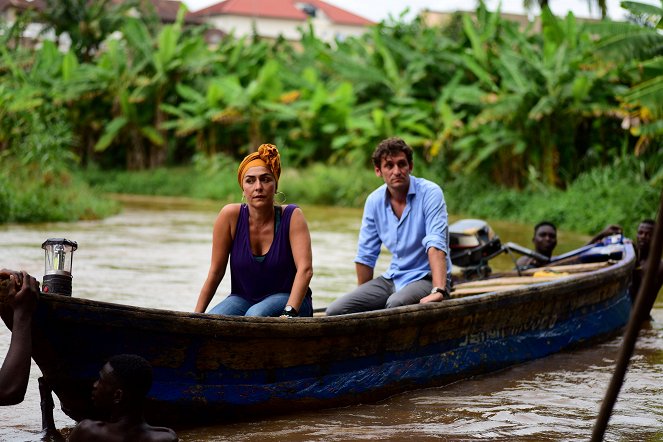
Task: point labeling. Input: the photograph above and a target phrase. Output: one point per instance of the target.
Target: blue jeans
(272, 305)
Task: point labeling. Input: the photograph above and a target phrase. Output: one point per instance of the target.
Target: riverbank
(30, 194)
(615, 194)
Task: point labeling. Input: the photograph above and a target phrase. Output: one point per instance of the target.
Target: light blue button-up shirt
(422, 225)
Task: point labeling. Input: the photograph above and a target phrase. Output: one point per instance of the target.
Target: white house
(274, 18)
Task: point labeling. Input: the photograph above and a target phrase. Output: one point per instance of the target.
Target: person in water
(408, 215)
(119, 396)
(545, 241)
(268, 245)
(22, 294)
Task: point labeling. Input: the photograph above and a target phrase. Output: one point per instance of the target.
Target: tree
(87, 23)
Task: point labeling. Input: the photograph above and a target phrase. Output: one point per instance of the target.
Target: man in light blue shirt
(408, 216)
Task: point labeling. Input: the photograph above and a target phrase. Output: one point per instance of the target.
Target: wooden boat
(214, 368)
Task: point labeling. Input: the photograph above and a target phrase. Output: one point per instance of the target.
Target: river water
(156, 254)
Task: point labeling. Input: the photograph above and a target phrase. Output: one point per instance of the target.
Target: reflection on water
(156, 254)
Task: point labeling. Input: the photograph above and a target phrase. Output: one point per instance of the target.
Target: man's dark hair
(544, 223)
(649, 221)
(133, 373)
(391, 146)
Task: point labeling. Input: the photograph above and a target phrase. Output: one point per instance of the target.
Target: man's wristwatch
(444, 291)
(290, 312)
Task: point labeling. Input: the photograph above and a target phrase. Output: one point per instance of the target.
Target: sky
(377, 10)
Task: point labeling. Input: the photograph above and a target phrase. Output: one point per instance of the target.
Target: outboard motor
(472, 243)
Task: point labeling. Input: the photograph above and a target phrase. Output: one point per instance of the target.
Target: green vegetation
(564, 124)
(586, 206)
(599, 197)
(52, 196)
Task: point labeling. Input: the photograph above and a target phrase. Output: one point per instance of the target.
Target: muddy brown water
(156, 254)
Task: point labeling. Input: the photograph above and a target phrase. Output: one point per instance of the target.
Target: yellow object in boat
(548, 273)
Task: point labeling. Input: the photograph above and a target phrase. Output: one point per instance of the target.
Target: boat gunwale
(204, 323)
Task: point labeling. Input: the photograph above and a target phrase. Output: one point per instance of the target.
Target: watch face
(289, 309)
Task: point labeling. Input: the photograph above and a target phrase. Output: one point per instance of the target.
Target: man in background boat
(408, 215)
(23, 292)
(119, 394)
(643, 243)
(545, 241)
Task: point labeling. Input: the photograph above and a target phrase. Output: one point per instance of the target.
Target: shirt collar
(412, 190)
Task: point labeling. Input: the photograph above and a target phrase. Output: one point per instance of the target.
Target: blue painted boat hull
(212, 368)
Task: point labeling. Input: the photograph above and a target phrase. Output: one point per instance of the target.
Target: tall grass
(30, 195)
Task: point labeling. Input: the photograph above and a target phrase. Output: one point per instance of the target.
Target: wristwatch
(290, 312)
(444, 291)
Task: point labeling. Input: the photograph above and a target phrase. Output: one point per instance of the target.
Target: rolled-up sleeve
(437, 223)
(369, 243)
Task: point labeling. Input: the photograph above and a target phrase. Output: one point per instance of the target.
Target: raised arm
(609, 230)
(300, 242)
(23, 292)
(222, 239)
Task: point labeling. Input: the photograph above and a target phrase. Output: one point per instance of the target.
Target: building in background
(439, 18)
(283, 18)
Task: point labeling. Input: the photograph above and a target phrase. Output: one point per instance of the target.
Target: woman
(269, 248)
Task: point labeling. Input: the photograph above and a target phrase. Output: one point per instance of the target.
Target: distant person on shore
(22, 294)
(545, 241)
(268, 245)
(644, 236)
(408, 215)
(119, 395)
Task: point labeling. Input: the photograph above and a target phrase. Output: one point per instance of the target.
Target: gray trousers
(379, 293)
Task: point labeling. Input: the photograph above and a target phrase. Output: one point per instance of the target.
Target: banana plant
(636, 49)
(148, 79)
(228, 104)
(86, 23)
(536, 96)
(131, 121)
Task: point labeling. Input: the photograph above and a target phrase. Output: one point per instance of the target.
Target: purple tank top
(254, 280)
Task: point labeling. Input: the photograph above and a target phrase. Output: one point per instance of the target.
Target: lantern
(59, 255)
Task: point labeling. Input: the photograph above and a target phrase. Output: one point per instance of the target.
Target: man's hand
(26, 298)
(22, 291)
(433, 297)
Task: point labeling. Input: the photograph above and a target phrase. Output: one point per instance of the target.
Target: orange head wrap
(267, 156)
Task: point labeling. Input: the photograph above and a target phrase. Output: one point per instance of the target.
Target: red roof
(167, 10)
(282, 9)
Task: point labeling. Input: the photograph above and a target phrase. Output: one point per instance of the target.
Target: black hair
(133, 373)
(648, 221)
(545, 223)
(391, 146)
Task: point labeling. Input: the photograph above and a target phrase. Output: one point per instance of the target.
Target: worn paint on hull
(211, 368)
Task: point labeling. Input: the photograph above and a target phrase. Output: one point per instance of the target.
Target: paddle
(643, 305)
(512, 246)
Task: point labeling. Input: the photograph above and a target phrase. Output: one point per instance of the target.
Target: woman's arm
(300, 242)
(222, 239)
